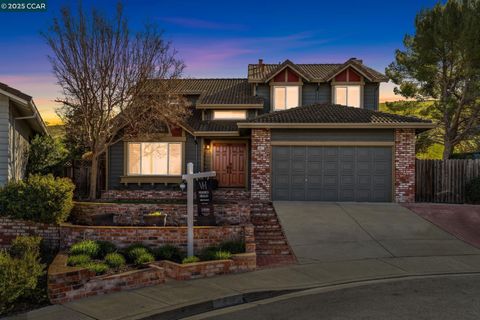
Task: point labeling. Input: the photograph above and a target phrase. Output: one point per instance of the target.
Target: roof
(331, 115)
(15, 92)
(34, 119)
(235, 91)
(318, 72)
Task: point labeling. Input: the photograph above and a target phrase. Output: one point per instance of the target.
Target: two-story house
(286, 132)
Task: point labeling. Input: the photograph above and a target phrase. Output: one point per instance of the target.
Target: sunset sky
(219, 38)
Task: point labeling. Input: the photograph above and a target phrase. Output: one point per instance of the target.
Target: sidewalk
(212, 293)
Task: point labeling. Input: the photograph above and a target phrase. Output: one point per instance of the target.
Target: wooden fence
(444, 181)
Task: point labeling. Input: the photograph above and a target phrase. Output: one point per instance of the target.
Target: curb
(251, 297)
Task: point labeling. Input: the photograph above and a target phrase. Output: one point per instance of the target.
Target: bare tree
(106, 74)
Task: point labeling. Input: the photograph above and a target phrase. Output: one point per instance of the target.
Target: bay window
(285, 97)
(347, 95)
(154, 158)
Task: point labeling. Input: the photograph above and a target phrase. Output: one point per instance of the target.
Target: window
(154, 158)
(347, 96)
(286, 97)
(229, 114)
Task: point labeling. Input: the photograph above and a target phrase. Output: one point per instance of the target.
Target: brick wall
(156, 236)
(261, 166)
(12, 228)
(220, 194)
(72, 283)
(404, 165)
(131, 214)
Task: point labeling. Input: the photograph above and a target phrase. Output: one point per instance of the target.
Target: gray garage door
(332, 173)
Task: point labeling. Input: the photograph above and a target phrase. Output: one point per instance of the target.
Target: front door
(229, 161)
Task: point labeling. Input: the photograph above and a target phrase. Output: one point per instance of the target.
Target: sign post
(189, 178)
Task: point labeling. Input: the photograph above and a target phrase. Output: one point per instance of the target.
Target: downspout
(196, 155)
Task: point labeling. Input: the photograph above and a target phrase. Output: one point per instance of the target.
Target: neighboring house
(282, 134)
(19, 123)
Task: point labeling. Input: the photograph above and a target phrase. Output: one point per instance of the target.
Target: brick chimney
(260, 64)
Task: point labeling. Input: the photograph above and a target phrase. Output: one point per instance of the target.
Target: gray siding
(115, 164)
(370, 96)
(192, 153)
(4, 138)
(313, 93)
(332, 135)
(20, 136)
(263, 91)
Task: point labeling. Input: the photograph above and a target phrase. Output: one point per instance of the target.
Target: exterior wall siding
(405, 165)
(313, 93)
(263, 91)
(4, 138)
(20, 135)
(115, 164)
(370, 96)
(333, 135)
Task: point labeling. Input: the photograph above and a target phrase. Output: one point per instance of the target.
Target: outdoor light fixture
(207, 147)
(183, 186)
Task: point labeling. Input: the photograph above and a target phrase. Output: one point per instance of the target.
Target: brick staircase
(271, 244)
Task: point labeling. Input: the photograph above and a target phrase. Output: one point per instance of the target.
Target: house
(19, 123)
(286, 132)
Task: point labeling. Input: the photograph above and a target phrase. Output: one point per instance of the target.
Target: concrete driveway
(323, 232)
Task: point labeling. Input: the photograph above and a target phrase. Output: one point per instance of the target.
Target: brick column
(404, 165)
(261, 155)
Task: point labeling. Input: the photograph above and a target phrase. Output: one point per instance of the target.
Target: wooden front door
(229, 160)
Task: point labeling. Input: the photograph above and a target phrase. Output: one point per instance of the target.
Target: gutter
(405, 125)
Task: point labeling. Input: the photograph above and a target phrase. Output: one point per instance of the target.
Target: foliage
(105, 247)
(46, 155)
(95, 115)
(222, 255)
(144, 257)
(115, 260)
(97, 267)
(168, 252)
(233, 247)
(38, 198)
(19, 273)
(472, 190)
(441, 62)
(78, 260)
(135, 250)
(88, 247)
(192, 259)
(208, 253)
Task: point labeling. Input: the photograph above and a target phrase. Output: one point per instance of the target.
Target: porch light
(207, 147)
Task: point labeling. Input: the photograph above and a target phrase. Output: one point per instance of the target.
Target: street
(452, 297)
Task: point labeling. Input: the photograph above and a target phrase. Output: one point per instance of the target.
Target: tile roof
(15, 92)
(219, 91)
(334, 114)
(319, 72)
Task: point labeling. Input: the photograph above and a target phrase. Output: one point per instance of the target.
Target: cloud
(202, 24)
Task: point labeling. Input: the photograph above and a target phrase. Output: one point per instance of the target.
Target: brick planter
(12, 228)
(238, 263)
(132, 194)
(132, 214)
(71, 283)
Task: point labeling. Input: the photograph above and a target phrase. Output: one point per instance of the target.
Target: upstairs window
(347, 95)
(285, 97)
(154, 158)
(229, 114)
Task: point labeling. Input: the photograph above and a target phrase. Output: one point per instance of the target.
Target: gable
(348, 75)
(287, 75)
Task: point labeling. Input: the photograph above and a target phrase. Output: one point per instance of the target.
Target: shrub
(46, 155)
(115, 260)
(105, 248)
(192, 259)
(145, 257)
(472, 190)
(168, 252)
(208, 253)
(97, 267)
(19, 274)
(38, 198)
(24, 244)
(222, 255)
(135, 250)
(88, 247)
(232, 246)
(78, 260)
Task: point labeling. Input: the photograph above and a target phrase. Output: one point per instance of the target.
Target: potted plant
(156, 218)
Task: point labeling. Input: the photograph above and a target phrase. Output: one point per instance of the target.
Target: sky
(220, 38)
